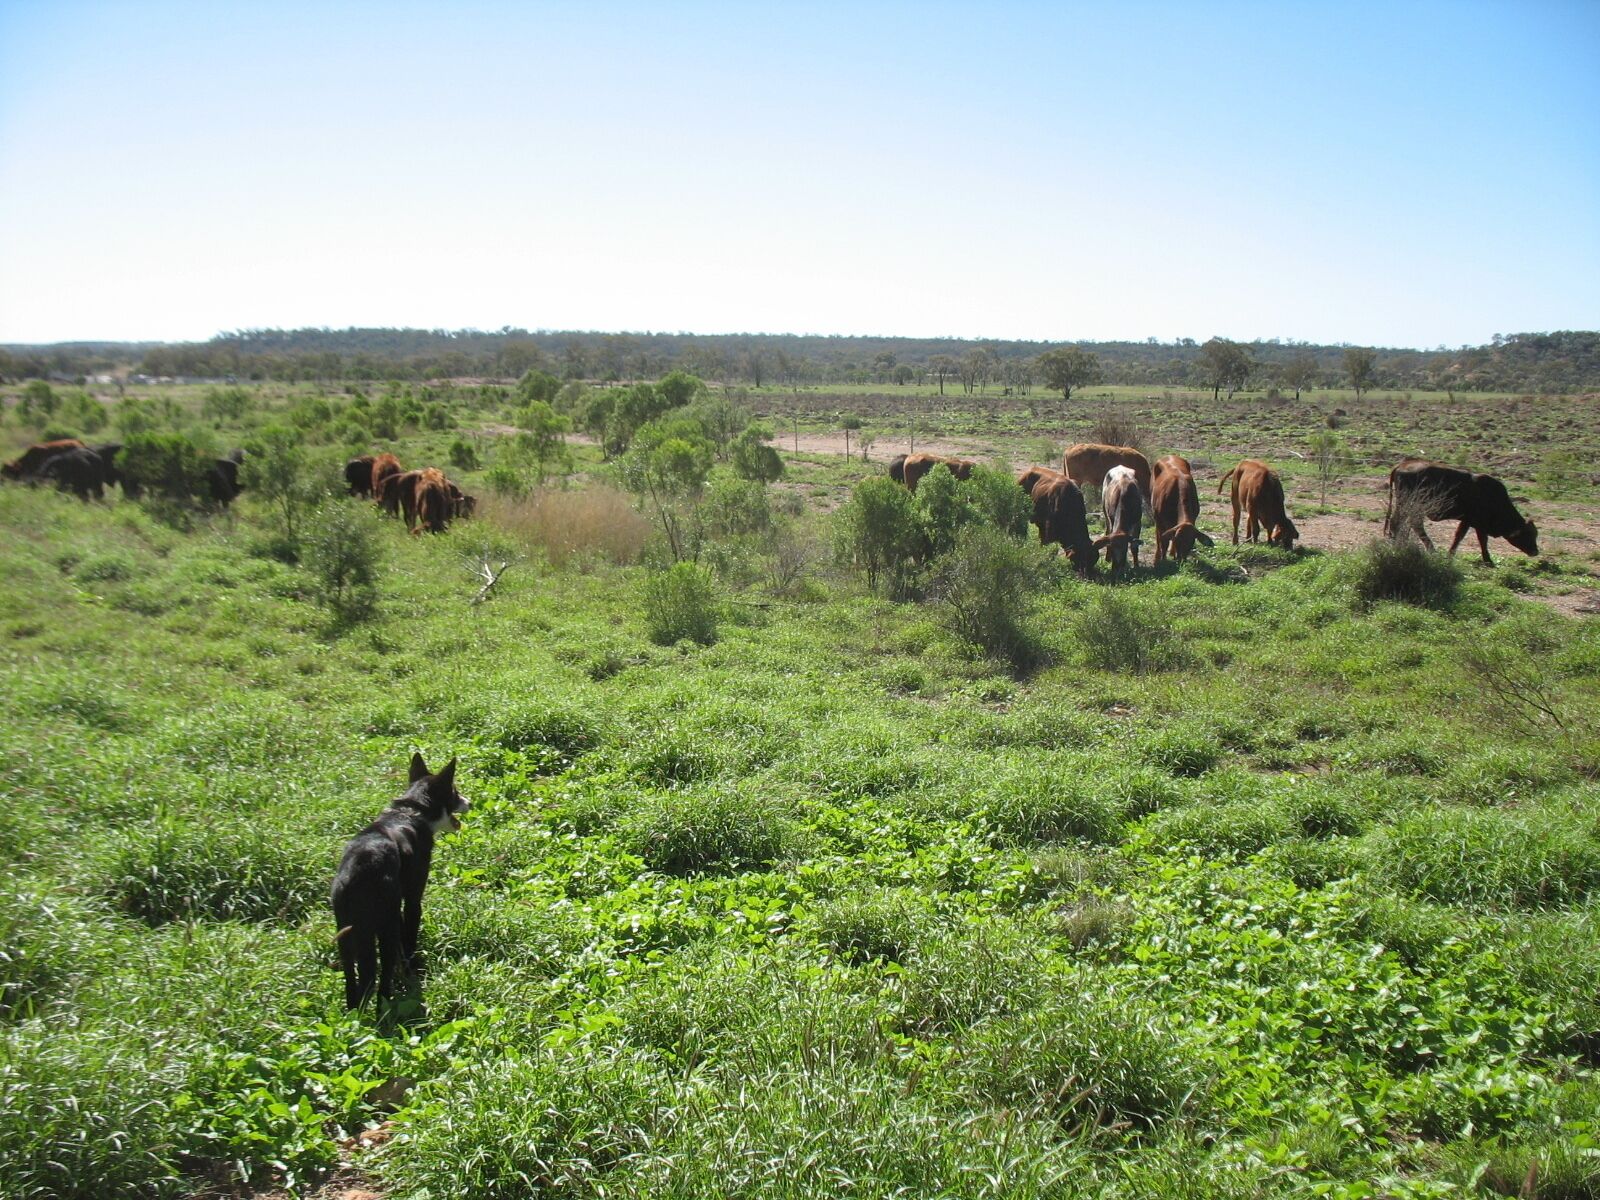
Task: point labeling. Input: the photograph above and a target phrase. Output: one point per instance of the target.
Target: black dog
(377, 895)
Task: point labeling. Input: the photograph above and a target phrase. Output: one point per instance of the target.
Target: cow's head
(1084, 557)
(1526, 539)
(1180, 540)
(1284, 534)
(1116, 547)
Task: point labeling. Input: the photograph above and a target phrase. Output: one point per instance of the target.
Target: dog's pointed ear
(1203, 538)
(418, 767)
(448, 775)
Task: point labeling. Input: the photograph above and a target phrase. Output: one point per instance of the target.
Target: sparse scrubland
(1250, 877)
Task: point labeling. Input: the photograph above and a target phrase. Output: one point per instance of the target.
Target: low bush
(680, 603)
(342, 554)
(1528, 857)
(1126, 635)
(877, 924)
(1404, 571)
(983, 588)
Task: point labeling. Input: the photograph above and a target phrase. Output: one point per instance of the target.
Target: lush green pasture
(1256, 888)
(1253, 892)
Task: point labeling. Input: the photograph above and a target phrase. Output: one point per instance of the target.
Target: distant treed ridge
(1523, 362)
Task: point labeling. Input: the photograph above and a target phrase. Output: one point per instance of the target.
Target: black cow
(1419, 489)
(108, 452)
(358, 475)
(222, 480)
(80, 471)
(897, 469)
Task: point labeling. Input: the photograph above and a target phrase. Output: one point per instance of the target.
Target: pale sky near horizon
(1398, 174)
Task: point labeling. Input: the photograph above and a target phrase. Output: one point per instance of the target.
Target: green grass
(1246, 892)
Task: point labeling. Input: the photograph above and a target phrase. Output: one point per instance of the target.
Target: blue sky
(1391, 174)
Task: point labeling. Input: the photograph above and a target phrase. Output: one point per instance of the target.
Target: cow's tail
(1223, 482)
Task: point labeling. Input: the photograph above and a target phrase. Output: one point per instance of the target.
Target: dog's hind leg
(391, 952)
(358, 953)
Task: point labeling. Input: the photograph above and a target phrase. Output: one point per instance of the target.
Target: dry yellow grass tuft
(595, 522)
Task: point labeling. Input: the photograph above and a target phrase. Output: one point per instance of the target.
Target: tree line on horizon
(1559, 362)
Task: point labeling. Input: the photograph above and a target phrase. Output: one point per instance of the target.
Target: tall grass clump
(1386, 569)
(1534, 857)
(983, 588)
(1126, 635)
(174, 872)
(680, 603)
(597, 522)
(682, 832)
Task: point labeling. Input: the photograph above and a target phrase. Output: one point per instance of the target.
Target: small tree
(275, 470)
(1069, 367)
(668, 463)
(342, 555)
(1225, 364)
(752, 458)
(164, 466)
(1331, 456)
(1298, 373)
(983, 587)
(543, 438)
(1360, 364)
(877, 530)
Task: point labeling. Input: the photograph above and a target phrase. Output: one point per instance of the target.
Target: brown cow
(1088, 462)
(1258, 493)
(35, 456)
(431, 503)
(1123, 505)
(1060, 515)
(1175, 506)
(1418, 489)
(918, 465)
(383, 466)
(388, 491)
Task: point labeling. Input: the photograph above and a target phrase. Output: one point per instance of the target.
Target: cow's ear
(1203, 538)
(448, 775)
(418, 767)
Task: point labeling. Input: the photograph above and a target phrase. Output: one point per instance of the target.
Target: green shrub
(875, 924)
(680, 603)
(342, 554)
(983, 587)
(463, 455)
(167, 466)
(878, 531)
(1385, 569)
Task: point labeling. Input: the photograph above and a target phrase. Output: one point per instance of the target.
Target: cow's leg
(1483, 547)
(1422, 534)
(1252, 529)
(1461, 532)
(1235, 522)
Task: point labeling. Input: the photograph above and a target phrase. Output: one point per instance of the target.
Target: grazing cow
(1258, 493)
(918, 465)
(383, 466)
(1419, 489)
(358, 475)
(461, 504)
(1174, 507)
(1060, 515)
(35, 456)
(431, 502)
(222, 480)
(897, 469)
(388, 491)
(1123, 505)
(80, 471)
(1089, 462)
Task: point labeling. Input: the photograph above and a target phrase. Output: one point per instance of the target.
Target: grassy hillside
(1255, 890)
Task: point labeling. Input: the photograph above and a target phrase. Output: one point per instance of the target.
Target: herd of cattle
(428, 499)
(1130, 485)
(87, 471)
